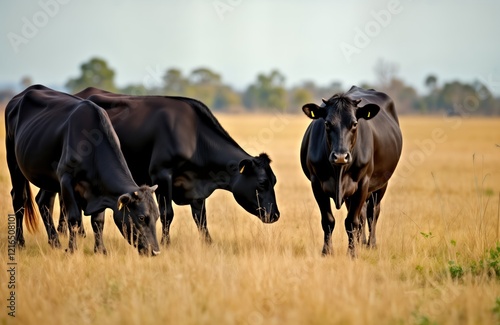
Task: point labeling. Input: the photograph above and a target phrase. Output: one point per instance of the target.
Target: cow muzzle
(150, 251)
(271, 217)
(340, 158)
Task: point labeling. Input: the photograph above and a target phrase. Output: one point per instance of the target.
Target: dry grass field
(436, 263)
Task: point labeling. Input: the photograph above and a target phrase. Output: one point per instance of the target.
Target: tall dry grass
(442, 206)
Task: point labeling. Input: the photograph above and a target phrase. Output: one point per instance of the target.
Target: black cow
(177, 143)
(64, 144)
(349, 152)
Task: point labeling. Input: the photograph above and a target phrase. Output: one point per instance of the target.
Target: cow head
(253, 188)
(136, 217)
(341, 114)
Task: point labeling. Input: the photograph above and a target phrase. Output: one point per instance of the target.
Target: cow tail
(29, 210)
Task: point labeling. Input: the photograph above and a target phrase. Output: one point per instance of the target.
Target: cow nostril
(340, 158)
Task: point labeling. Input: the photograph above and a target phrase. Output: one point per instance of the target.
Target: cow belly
(183, 189)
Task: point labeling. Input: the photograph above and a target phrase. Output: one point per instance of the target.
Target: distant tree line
(268, 91)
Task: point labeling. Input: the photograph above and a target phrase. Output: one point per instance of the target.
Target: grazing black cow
(177, 143)
(64, 144)
(349, 152)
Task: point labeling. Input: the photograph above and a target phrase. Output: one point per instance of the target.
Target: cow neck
(114, 175)
(106, 185)
(223, 156)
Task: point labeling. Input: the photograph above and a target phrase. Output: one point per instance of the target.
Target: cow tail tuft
(29, 210)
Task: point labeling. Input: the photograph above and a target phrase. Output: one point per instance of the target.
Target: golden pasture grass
(441, 206)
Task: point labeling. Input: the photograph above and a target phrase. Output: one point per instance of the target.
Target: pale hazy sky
(317, 40)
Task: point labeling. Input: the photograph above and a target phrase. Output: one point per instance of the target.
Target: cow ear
(314, 111)
(123, 200)
(153, 188)
(367, 112)
(245, 166)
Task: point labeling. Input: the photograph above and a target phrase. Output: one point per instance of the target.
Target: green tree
(135, 89)
(226, 98)
(430, 102)
(405, 97)
(204, 85)
(26, 81)
(299, 97)
(457, 97)
(454, 95)
(267, 92)
(204, 77)
(431, 82)
(175, 83)
(487, 104)
(95, 73)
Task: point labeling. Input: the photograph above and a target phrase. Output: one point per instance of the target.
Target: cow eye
(328, 125)
(262, 186)
(354, 125)
(142, 218)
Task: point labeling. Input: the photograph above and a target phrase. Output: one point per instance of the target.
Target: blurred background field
(438, 260)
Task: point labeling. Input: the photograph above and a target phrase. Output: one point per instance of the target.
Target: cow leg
(362, 220)
(81, 231)
(18, 204)
(353, 222)
(62, 228)
(97, 221)
(164, 198)
(327, 218)
(18, 195)
(373, 217)
(45, 202)
(166, 216)
(199, 213)
(72, 210)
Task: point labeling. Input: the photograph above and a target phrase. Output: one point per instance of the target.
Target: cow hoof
(81, 232)
(101, 250)
(21, 245)
(207, 239)
(326, 252)
(55, 243)
(165, 240)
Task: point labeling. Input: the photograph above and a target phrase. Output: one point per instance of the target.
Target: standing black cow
(349, 152)
(177, 143)
(64, 144)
